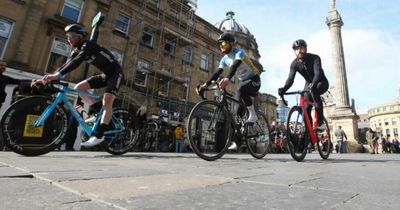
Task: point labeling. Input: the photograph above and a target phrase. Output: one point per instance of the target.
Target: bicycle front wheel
(20, 134)
(258, 137)
(209, 130)
(324, 143)
(297, 135)
(125, 140)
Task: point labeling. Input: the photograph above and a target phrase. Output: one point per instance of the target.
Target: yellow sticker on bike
(30, 130)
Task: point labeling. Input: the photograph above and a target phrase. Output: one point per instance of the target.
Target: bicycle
(36, 125)
(211, 126)
(301, 133)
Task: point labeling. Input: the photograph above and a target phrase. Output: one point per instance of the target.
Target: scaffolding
(173, 22)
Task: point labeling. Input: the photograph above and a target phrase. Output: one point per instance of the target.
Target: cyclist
(309, 66)
(111, 78)
(239, 63)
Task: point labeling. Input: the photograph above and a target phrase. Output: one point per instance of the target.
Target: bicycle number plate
(30, 130)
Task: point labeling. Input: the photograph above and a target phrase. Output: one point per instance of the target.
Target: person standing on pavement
(372, 139)
(179, 139)
(5, 80)
(340, 136)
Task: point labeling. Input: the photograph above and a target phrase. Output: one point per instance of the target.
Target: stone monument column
(343, 113)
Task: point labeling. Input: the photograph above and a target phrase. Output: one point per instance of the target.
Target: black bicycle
(212, 124)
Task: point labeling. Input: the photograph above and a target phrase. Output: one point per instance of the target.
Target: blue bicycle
(37, 125)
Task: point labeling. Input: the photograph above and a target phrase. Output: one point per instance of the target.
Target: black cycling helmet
(75, 28)
(299, 43)
(226, 37)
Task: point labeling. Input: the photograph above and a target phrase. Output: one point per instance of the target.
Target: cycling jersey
(91, 53)
(246, 69)
(310, 68)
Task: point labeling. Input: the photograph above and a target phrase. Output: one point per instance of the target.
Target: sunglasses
(222, 43)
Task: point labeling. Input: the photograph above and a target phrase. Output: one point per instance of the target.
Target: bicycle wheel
(20, 134)
(297, 134)
(324, 141)
(258, 137)
(125, 140)
(209, 130)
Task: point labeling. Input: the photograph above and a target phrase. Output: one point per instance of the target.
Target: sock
(100, 130)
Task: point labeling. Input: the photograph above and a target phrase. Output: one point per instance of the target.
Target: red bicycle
(300, 131)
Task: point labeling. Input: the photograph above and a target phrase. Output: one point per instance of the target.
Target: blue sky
(371, 39)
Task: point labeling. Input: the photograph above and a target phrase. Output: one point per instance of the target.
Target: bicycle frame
(89, 130)
(303, 103)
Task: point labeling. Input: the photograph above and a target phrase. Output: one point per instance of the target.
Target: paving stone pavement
(97, 180)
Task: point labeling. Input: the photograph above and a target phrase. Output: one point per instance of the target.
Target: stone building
(385, 118)
(164, 48)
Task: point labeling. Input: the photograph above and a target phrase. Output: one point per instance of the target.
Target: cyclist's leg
(247, 89)
(320, 89)
(85, 86)
(113, 83)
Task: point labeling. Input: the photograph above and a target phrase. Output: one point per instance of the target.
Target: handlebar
(214, 87)
(299, 92)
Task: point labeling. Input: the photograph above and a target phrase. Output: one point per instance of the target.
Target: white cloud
(371, 64)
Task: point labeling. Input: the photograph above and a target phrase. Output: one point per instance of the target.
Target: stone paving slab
(96, 180)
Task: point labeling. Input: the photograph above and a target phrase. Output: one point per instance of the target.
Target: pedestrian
(141, 116)
(5, 80)
(340, 136)
(372, 139)
(179, 139)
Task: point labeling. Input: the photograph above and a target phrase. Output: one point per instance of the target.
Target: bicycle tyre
(209, 130)
(324, 141)
(297, 135)
(124, 141)
(22, 137)
(258, 137)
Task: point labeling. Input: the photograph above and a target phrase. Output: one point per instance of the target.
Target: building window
(122, 24)
(59, 54)
(387, 132)
(204, 62)
(118, 55)
(394, 121)
(386, 121)
(5, 32)
(72, 9)
(142, 70)
(169, 47)
(174, 14)
(147, 38)
(207, 32)
(163, 87)
(187, 54)
(395, 131)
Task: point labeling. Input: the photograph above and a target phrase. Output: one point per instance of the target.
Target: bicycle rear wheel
(209, 130)
(20, 134)
(258, 137)
(125, 140)
(324, 144)
(297, 135)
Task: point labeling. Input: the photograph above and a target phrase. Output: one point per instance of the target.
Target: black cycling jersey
(91, 53)
(309, 67)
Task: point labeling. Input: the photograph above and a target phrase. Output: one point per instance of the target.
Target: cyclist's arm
(290, 79)
(317, 69)
(214, 76)
(75, 61)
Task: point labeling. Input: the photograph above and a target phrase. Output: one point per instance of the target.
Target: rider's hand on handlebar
(200, 89)
(50, 77)
(281, 91)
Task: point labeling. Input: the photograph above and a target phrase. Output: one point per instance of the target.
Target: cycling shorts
(111, 82)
